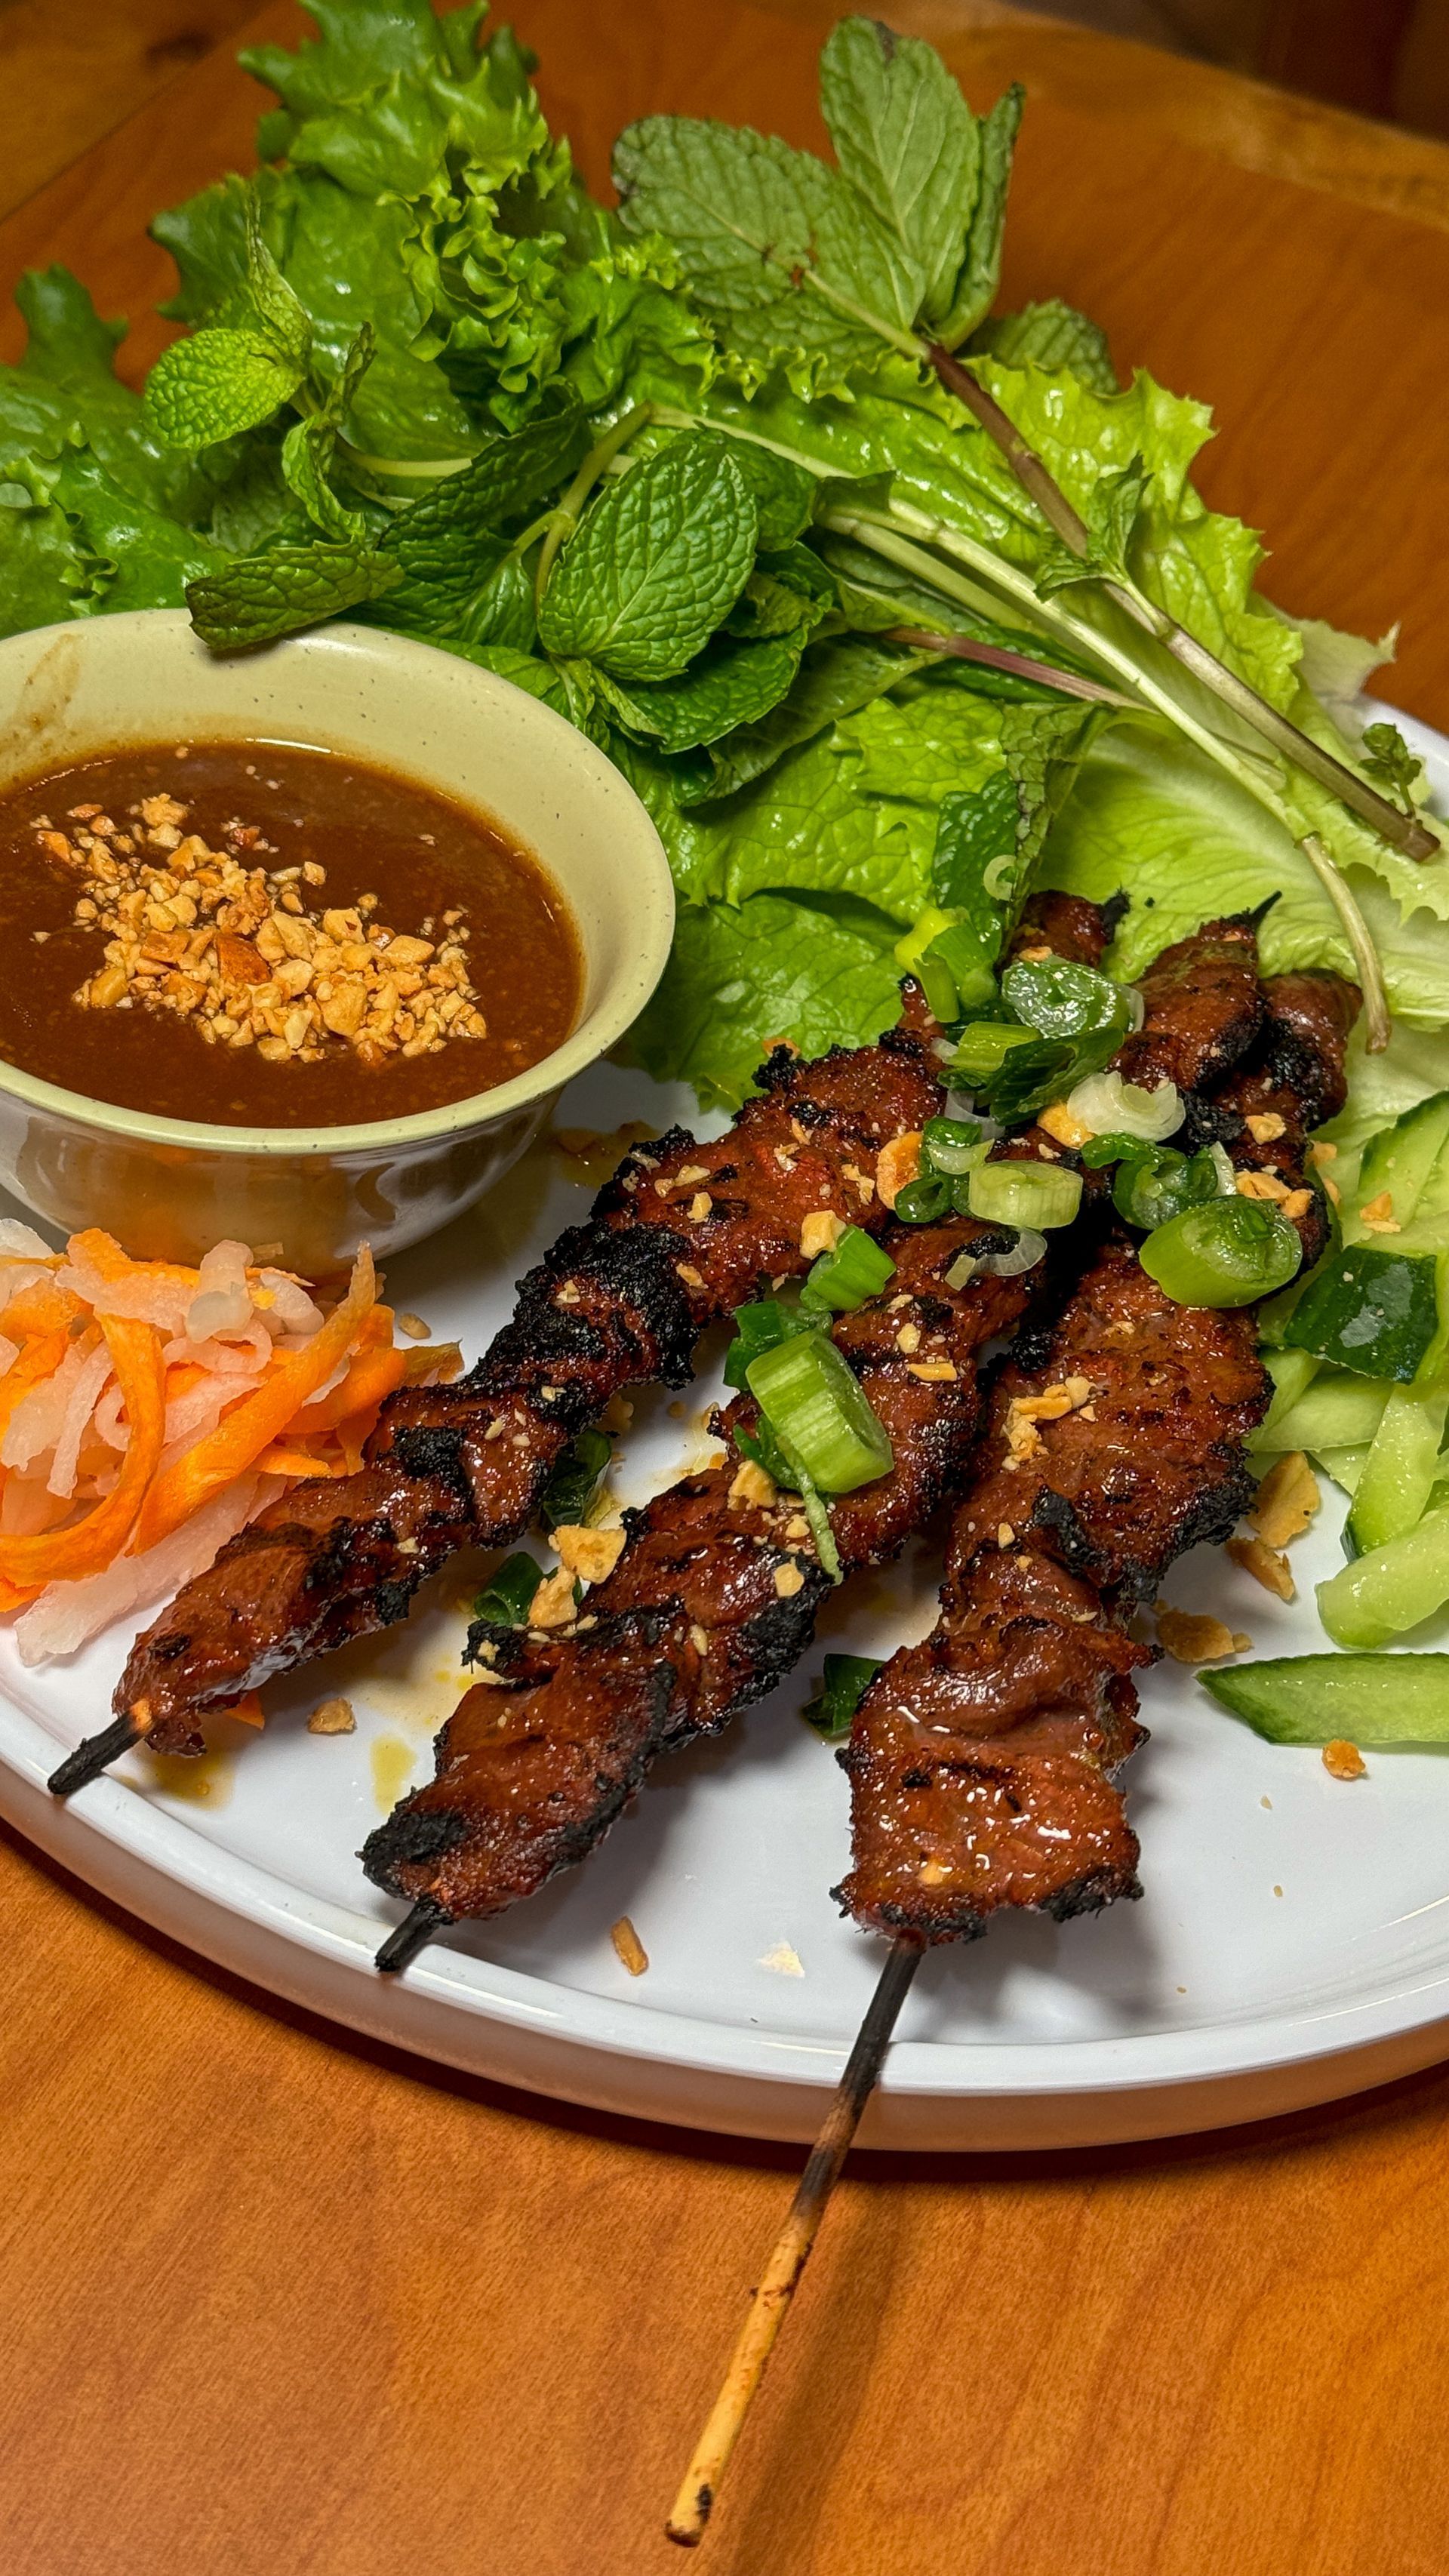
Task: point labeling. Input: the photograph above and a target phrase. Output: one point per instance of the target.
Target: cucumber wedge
(1310, 1699)
(1411, 1162)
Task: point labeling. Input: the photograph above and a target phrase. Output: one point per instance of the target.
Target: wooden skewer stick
(770, 2301)
(95, 1753)
(411, 1935)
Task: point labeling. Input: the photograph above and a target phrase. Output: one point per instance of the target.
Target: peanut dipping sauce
(502, 951)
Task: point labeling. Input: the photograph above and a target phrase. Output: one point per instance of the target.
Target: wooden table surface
(278, 2303)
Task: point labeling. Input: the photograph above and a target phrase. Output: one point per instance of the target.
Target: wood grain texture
(73, 71)
(278, 2304)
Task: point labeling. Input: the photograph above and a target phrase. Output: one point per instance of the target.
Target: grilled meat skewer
(982, 1760)
(682, 1235)
(687, 1629)
(712, 1601)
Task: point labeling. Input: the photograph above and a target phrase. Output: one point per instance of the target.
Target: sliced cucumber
(1402, 1467)
(1410, 1161)
(1338, 1412)
(1309, 1699)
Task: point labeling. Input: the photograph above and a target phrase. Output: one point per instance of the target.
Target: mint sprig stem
(566, 517)
(1403, 831)
(993, 657)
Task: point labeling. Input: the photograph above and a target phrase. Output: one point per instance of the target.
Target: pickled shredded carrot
(260, 1418)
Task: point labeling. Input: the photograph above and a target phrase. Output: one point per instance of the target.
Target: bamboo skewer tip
(94, 1755)
(410, 1936)
(770, 2300)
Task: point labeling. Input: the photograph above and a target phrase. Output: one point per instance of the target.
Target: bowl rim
(616, 1011)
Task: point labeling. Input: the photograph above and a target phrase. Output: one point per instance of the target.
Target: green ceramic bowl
(167, 1189)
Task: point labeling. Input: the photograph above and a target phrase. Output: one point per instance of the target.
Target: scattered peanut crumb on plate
(414, 1327)
(1194, 1636)
(332, 1717)
(1265, 1802)
(1277, 1891)
(629, 1947)
(783, 1959)
(1343, 1761)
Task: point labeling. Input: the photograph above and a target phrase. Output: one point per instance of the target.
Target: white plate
(1292, 1944)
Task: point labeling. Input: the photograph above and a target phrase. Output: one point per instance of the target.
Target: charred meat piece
(683, 1234)
(1204, 1007)
(1292, 1082)
(1065, 925)
(981, 1762)
(712, 1601)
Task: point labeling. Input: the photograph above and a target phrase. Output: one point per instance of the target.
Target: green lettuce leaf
(737, 978)
(1151, 816)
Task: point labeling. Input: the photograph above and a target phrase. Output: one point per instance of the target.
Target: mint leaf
(263, 596)
(1111, 517)
(1053, 336)
(976, 287)
(310, 445)
(907, 142)
(216, 385)
(732, 683)
(790, 262)
(656, 564)
(738, 978)
(1390, 764)
(975, 829)
(835, 680)
(280, 314)
(783, 494)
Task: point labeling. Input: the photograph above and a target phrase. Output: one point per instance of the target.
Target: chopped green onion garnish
(857, 1269)
(923, 1200)
(1098, 1151)
(1040, 1195)
(1157, 1182)
(951, 1145)
(983, 1048)
(575, 1480)
(1226, 1253)
(1112, 1107)
(759, 1327)
(818, 1409)
(507, 1596)
(959, 950)
(843, 1686)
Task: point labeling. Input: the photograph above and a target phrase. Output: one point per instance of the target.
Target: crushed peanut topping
(1265, 1126)
(552, 1605)
(592, 1554)
(1025, 1411)
(699, 1207)
(628, 1946)
(414, 1327)
(332, 1717)
(1344, 1760)
(1261, 1185)
(934, 1372)
(820, 1232)
(908, 1339)
(1378, 1215)
(1265, 1564)
(932, 1872)
(752, 1485)
(897, 1163)
(1193, 1636)
(788, 1581)
(218, 939)
(1059, 1122)
(1005, 1535)
(1287, 1499)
